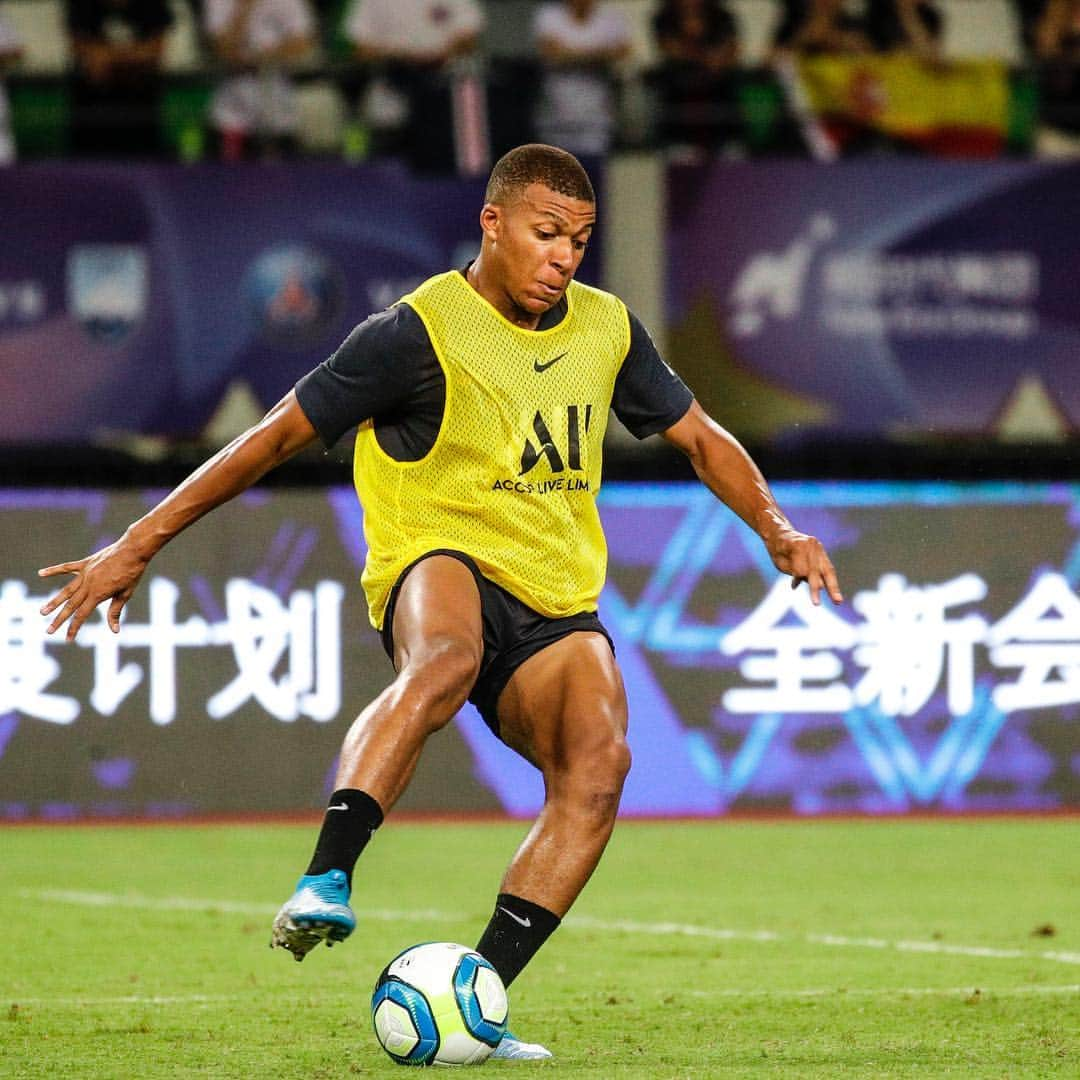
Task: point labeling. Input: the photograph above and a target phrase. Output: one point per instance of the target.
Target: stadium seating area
(327, 79)
(973, 28)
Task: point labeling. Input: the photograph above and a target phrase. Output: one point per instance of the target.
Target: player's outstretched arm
(730, 473)
(113, 572)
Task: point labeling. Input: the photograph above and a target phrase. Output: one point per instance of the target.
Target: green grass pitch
(721, 949)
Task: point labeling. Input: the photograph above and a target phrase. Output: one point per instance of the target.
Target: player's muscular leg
(565, 710)
(438, 645)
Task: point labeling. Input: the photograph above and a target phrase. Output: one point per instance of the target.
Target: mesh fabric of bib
(513, 475)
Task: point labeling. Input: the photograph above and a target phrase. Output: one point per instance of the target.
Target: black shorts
(512, 633)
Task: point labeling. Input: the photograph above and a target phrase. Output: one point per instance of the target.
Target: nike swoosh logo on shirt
(517, 918)
(537, 366)
(339, 806)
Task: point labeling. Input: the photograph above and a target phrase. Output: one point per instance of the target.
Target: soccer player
(482, 399)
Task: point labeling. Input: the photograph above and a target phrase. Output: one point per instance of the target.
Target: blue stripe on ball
(468, 1004)
(419, 1010)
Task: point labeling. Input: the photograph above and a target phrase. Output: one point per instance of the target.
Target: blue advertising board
(948, 681)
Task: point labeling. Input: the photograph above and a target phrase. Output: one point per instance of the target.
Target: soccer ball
(439, 1004)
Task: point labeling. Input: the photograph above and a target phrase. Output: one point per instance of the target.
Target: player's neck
(485, 284)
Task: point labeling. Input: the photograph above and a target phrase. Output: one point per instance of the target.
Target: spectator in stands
(10, 53)
(823, 26)
(580, 42)
(118, 47)
(916, 26)
(417, 53)
(697, 79)
(1028, 14)
(1057, 50)
(253, 112)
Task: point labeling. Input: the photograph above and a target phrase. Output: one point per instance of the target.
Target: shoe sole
(300, 937)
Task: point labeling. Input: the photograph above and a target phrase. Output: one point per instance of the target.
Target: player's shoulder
(592, 303)
(581, 293)
(405, 316)
(399, 318)
(391, 332)
(448, 280)
(603, 312)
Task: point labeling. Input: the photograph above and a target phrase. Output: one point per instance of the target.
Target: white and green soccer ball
(439, 1004)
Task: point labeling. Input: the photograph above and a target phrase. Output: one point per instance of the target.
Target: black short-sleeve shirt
(144, 18)
(386, 370)
(716, 25)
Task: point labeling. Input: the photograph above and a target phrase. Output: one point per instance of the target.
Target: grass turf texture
(704, 949)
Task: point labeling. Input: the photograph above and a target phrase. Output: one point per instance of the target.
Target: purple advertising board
(892, 299)
(132, 297)
(948, 681)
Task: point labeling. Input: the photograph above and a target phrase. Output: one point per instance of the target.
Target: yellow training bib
(513, 475)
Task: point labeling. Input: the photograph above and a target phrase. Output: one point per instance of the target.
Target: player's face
(538, 242)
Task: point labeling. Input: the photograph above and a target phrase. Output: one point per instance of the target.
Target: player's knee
(614, 762)
(439, 681)
(599, 772)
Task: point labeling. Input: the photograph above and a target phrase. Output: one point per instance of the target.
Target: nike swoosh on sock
(526, 922)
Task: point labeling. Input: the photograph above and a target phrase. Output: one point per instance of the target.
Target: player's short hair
(536, 163)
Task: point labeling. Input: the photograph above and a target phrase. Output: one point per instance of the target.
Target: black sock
(517, 930)
(351, 817)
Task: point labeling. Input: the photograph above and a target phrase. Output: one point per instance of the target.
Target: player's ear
(490, 218)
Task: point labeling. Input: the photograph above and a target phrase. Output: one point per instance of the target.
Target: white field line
(580, 922)
(228, 907)
(130, 999)
(891, 991)
(831, 940)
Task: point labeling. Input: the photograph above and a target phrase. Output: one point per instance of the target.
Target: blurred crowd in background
(446, 85)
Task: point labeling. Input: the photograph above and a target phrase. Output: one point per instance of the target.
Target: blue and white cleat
(511, 1048)
(318, 911)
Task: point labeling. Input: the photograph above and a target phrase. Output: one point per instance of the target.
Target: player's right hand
(111, 573)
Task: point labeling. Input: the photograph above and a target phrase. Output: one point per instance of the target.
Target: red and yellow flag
(960, 108)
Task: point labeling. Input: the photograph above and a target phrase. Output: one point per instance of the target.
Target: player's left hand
(805, 559)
